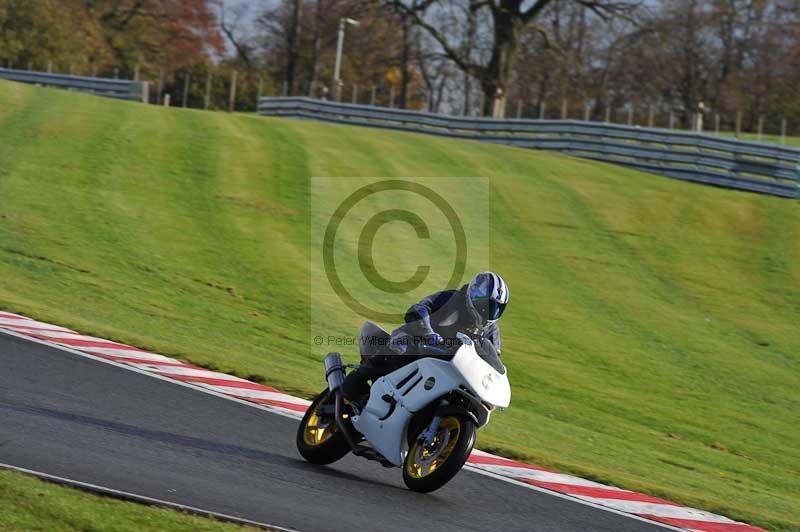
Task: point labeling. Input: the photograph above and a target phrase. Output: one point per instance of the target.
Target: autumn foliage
(98, 35)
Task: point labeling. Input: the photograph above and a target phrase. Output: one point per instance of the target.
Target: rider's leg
(356, 383)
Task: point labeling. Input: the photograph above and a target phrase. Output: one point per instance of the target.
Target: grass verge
(30, 504)
(652, 337)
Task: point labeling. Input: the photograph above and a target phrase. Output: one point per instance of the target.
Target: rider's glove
(434, 339)
(399, 344)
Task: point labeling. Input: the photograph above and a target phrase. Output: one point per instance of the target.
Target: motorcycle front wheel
(319, 439)
(428, 468)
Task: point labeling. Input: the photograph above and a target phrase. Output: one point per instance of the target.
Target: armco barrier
(730, 163)
(125, 89)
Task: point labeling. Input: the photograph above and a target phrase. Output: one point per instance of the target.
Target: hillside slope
(652, 336)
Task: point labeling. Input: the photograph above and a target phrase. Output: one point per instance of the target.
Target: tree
(321, 7)
(232, 26)
(508, 19)
(292, 44)
(159, 33)
(103, 34)
(299, 45)
(39, 32)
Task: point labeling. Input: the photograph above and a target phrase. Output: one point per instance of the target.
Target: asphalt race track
(92, 422)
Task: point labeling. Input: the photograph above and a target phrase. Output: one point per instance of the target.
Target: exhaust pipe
(334, 371)
(334, 374)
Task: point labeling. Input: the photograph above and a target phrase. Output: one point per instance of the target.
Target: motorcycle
(422, 417)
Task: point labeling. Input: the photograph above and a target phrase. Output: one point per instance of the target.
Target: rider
(473, 310)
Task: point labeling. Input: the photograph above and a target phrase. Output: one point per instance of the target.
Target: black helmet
(487, 297)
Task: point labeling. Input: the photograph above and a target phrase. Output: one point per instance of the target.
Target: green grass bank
(32, 505)
(652, 338)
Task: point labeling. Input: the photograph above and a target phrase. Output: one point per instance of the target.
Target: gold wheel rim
(422, 461)
(314, 434)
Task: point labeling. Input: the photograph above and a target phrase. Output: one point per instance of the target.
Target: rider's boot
(355, 388)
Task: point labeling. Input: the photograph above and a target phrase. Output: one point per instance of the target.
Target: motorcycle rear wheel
(426, 469)
(319, 439)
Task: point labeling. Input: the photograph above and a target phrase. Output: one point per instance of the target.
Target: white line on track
(125, 495)
(295, 415)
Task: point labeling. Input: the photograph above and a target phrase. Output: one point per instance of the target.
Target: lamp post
(339, 44)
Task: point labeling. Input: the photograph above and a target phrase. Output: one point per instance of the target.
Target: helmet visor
(488, 309)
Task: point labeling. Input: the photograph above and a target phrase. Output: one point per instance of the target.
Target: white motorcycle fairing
(396, 397)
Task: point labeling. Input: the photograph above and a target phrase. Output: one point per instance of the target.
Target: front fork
(426, 437)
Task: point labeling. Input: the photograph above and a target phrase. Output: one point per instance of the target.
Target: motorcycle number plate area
(381, 399)
(383, 421)
(434, 379)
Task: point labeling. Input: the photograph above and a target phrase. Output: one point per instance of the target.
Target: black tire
(418, 480)
(332, 448)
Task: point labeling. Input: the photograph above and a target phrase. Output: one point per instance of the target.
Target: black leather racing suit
(445, 313)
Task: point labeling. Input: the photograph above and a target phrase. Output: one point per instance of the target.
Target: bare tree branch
(229, 30)
(533, 11)
(416, 12)
(549, 42)
(608, 9)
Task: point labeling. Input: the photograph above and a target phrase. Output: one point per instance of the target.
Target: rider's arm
(419, 315)
(493, 334)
